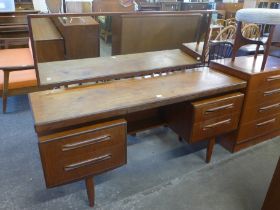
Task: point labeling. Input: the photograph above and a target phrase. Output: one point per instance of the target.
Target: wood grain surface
(102, 68)
(61, 108)
(246, 65)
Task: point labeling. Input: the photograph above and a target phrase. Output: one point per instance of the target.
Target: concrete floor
(162, 173)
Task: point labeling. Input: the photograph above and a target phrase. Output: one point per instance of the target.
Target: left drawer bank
(82, 152)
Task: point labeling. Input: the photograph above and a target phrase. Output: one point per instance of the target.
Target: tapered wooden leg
(267, 46)
(257, 51)
(5, 90)
(90, 190)
(180, 138)
(210, 147)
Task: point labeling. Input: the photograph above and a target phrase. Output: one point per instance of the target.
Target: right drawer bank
(260, 118)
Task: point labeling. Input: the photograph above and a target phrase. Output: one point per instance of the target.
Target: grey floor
(162, 173)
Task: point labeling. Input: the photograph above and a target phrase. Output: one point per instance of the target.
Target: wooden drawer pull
(273, 106)
(217, 124)
(273, 78)
(67, 147)
(267, 122)
(87, 162)
(228, 106)
(268, 93)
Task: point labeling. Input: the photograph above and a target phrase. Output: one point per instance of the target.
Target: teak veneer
(260, 119)
(48, 42)
(104, 68)
(82, 130)
(120, 97)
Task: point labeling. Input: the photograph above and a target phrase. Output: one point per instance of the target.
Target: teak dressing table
(82, 130)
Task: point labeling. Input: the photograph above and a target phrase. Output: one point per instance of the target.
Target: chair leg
(90, 190)
(5, 91)
(4, 104)
(210, 148)
(267, 46)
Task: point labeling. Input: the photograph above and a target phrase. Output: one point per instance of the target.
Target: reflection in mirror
(88, 35)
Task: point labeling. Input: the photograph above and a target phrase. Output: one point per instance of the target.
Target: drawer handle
(228, 106)
(273, 106)
(217, 124)
(273, 78)
(266, 122)
(268, 93)
(67, 147)
(87, 162)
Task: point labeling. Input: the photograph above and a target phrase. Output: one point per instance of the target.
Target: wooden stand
(90, 190)
(210, 148)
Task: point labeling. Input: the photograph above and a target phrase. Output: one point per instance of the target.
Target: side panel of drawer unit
(77, 153)
(214, 127)
(218, 106)
(266, 80)
(258, 128)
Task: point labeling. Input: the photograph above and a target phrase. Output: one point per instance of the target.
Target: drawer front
(266, 95)
(214, 107)
(83, 152)
(258, 128)
(214, 127)
(265, 81)
(260, 111)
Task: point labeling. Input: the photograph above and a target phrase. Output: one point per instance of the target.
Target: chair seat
(259, 16)
(20, 79)
(16, 57)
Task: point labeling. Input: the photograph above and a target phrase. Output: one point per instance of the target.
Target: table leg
(210, 147)
(5, 90)
(90, 190)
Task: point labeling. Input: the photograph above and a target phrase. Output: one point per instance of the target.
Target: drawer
(77, 153)
(214, 127)
(266, 95)
(260, 111)
(265, 81)
(258, 128)
(214, 107)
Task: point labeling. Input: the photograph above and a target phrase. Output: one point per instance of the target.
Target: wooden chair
(226, 34)
(251, 31)
(17, 73)
(230, 22)
(219, 50)
(221, 22)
